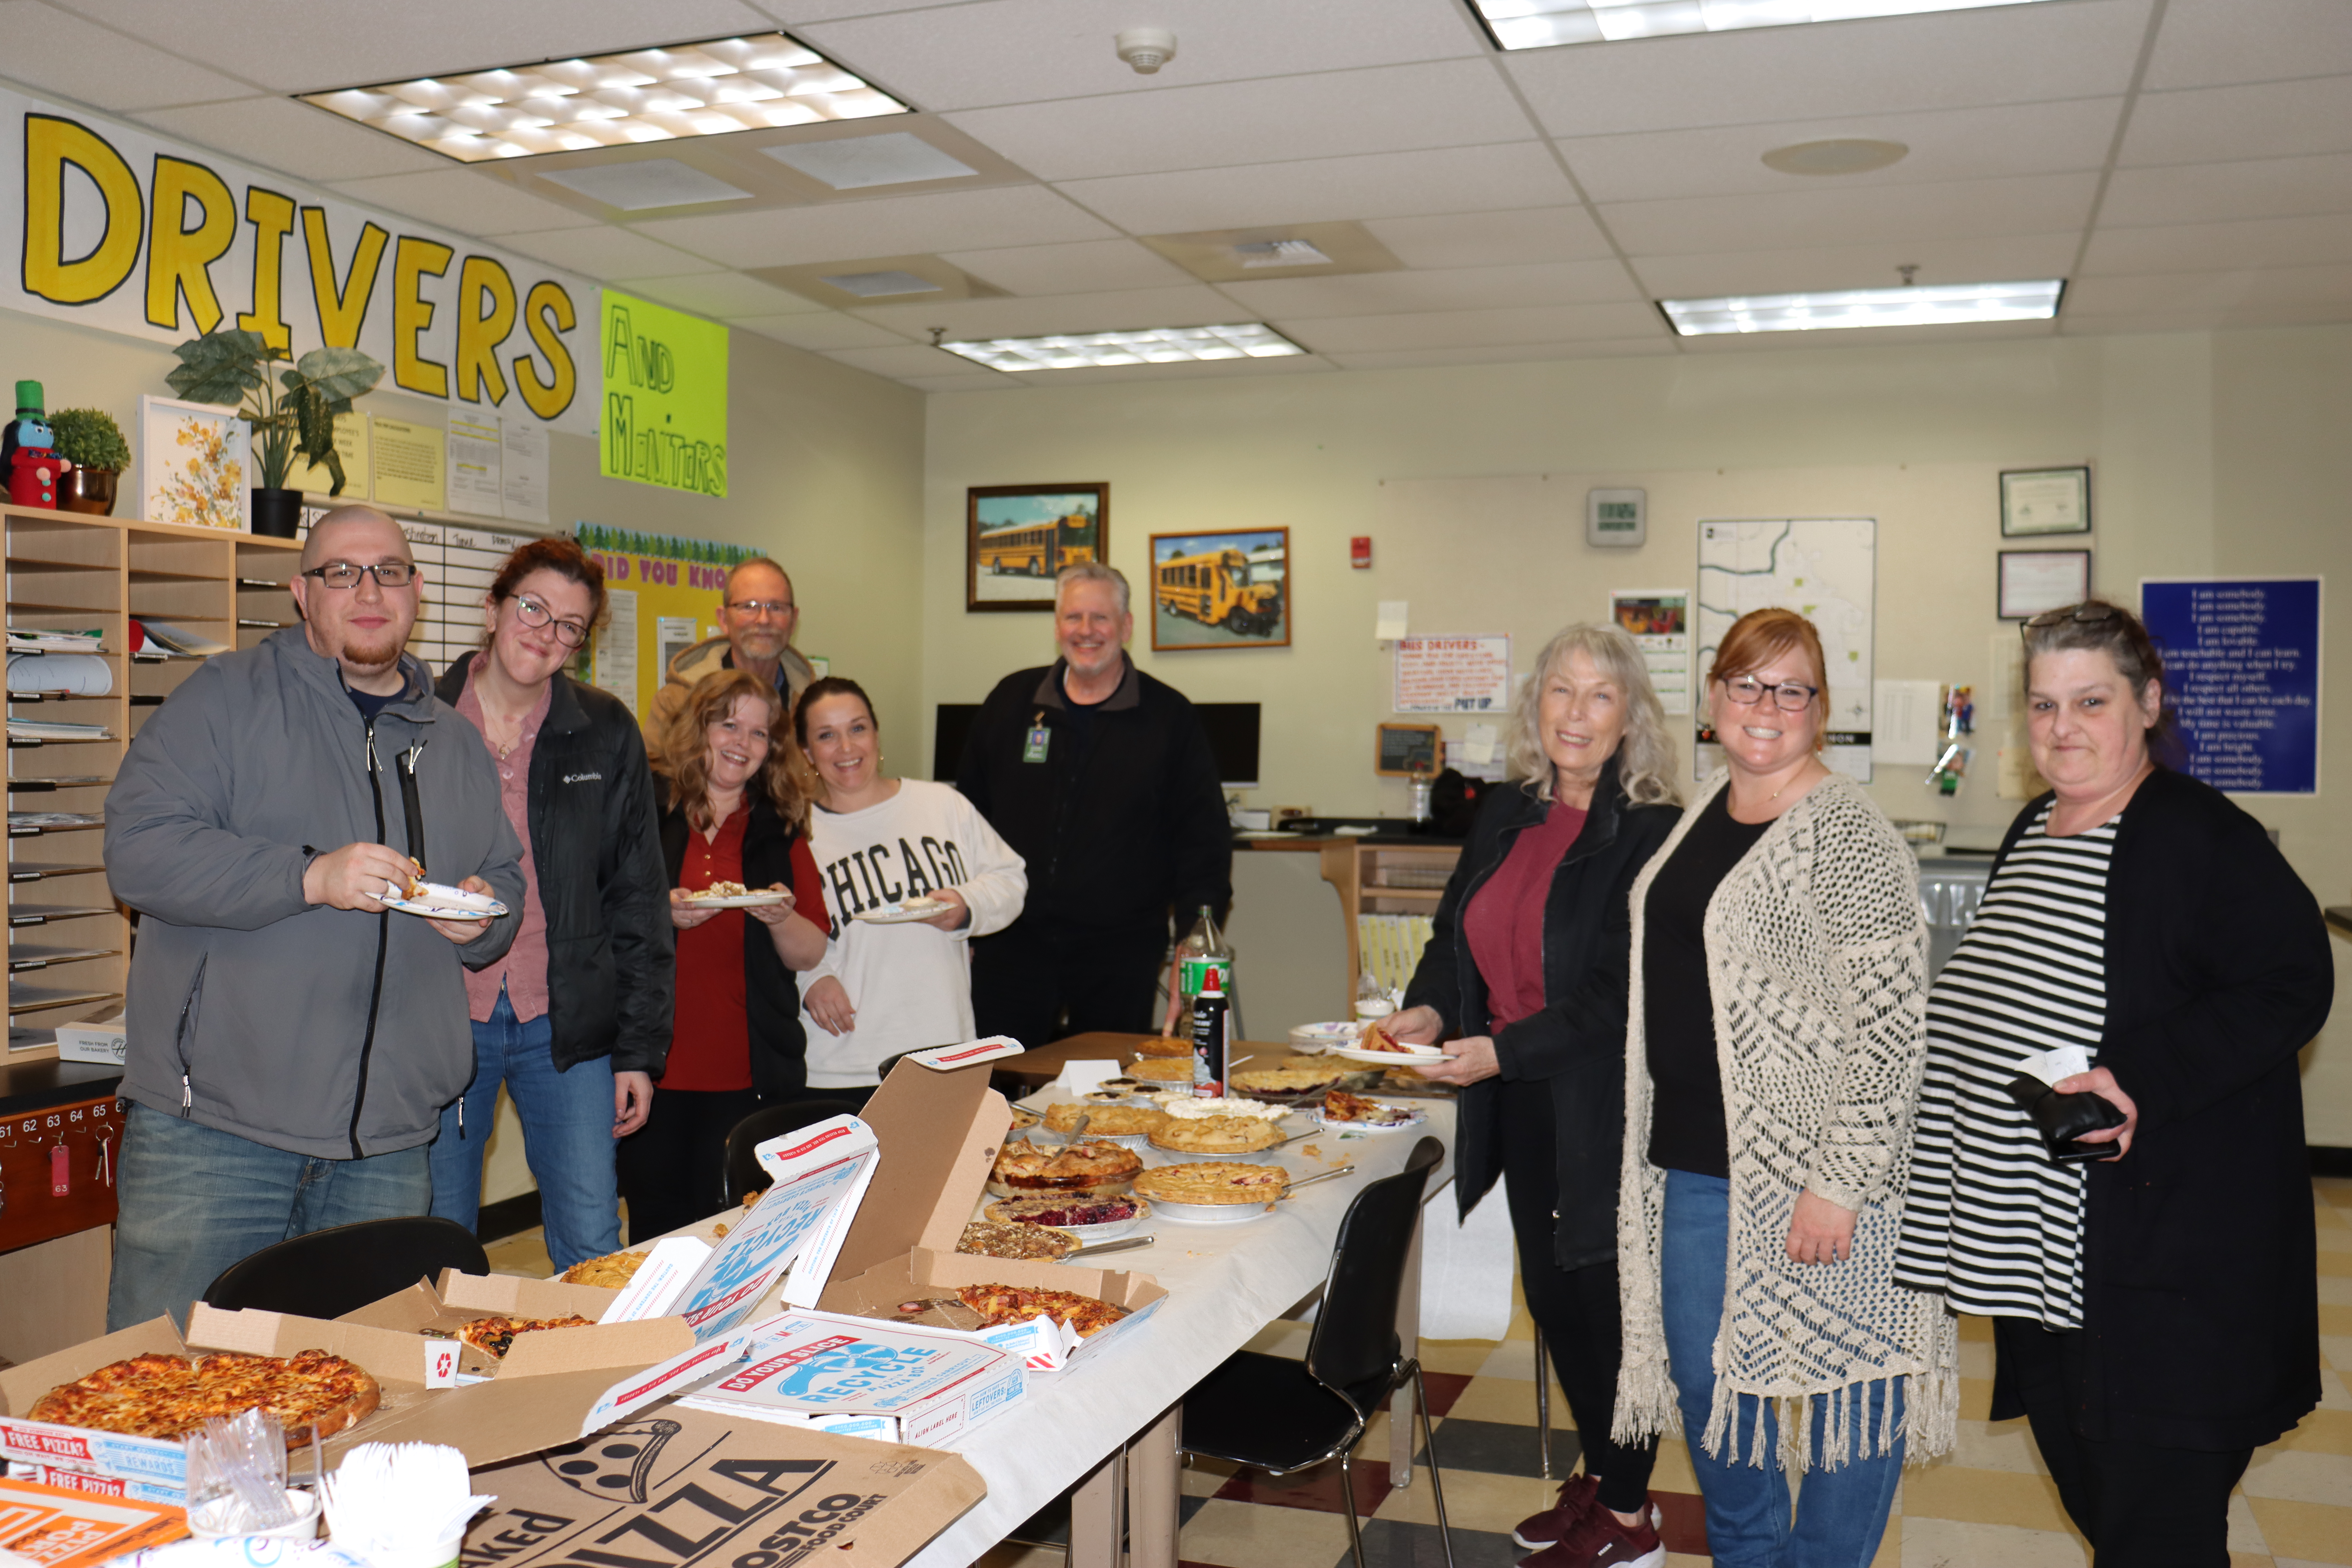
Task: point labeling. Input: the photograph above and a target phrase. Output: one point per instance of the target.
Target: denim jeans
(567, 1136)
(1840, 1514)
(192, 1200)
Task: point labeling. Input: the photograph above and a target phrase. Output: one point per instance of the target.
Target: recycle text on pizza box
(938, 1127)
(58, 1526)
(678, 1486)
(815, 1369)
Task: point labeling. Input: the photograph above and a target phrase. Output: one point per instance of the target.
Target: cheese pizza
(161, 1395)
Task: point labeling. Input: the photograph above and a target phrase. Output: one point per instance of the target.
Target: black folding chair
(1279, 1415)
(743, 1173)
(330, 1272)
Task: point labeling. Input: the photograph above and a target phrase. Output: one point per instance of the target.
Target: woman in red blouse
(731, 812)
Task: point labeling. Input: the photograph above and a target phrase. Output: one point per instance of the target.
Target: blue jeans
(192, 1200)
(567, 1136)
(1842, 1512)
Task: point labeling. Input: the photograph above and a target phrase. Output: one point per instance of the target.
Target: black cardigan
(610, 949)
(1114, 833)
(1575, 1049)
(2200, 1318)
(771, 995)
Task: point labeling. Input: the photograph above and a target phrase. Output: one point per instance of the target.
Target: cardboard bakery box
(430, 1314)
(681, 1485)
(59, 1527)
(860, 1378)
(938, 1126)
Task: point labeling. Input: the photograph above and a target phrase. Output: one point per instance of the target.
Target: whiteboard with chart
(1826, 569)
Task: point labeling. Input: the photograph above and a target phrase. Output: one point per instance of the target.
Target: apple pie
(1217, 1135)
(1023, 1168)
(1107, 1121)
(1173, 1070)
(1166, 1045)
(1213, 1181)
(1293, 1075)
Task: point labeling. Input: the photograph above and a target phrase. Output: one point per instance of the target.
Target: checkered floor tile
(1990, 1505)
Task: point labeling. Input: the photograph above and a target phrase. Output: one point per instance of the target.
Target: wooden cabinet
(1381, 878)
(69, 942)
(45, 1194)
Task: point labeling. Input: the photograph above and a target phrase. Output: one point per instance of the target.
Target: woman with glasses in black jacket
(576, 1020)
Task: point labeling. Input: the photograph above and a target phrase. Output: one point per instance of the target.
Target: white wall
(2212, 453)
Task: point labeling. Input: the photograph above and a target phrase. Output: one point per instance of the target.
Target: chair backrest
(743, 1173)
(330, 1272)
(1355, 1338)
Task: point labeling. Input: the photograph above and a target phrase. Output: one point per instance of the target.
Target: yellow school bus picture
(1221, 590)
(1019, 538)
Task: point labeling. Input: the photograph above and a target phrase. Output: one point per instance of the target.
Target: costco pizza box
(681, 1485)
(429, 1313)
(829, 1372)
(60, 1527)
(938, 1126)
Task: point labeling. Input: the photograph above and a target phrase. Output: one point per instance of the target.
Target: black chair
(330, 1272)
(1279, 1415)
(743, 1173)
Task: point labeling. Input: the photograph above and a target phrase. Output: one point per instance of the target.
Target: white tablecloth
(1225, 1283)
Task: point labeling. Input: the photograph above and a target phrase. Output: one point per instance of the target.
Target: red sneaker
(1538, 1531)
(1598, 1541)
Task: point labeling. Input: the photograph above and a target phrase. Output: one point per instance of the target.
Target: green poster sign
(664, 397)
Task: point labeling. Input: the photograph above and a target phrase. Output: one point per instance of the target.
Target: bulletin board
(664, 595)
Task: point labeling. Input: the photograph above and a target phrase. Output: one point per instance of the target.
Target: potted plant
(93, 442)
(292, 413)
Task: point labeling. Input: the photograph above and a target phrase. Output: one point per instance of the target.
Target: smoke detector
(1145, 48)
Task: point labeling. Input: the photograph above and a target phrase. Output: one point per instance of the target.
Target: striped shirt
(1991, 1221)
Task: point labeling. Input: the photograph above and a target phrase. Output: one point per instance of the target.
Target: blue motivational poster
(2241, 670)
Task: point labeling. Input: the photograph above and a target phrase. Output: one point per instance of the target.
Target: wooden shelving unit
(1382, 878)
(69, 942)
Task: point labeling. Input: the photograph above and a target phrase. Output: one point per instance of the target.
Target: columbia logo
(581, 778)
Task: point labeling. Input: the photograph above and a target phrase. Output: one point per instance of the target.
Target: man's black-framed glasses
(1789, 696)
(532, 613)
(344, 575)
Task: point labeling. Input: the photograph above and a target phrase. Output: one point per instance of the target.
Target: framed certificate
(2044, 501)
(2033, 580)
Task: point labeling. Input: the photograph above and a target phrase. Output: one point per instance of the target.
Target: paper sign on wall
(2241, 672)
(1454, 674)
(668, 583)
(1658, 620)
(409, 464)
(476, 456)
(664, 397)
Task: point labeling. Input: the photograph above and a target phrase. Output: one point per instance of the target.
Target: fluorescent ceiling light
(1540, 24)
(1281, 253)
(646, 183)
(1918, 305)
(880, 285)
(750, 83)
(896, 158)
(1154, 345)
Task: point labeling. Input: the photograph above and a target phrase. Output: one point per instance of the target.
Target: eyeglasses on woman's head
(1789, 696)
(532, 613)
(2094, 610)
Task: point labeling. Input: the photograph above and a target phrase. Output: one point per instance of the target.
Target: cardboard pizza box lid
(59, 1527)
(939, 1125)
(20, 1386)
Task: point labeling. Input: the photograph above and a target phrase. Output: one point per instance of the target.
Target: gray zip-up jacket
(332, 1032)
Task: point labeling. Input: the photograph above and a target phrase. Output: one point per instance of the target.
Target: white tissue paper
(1465, 1269)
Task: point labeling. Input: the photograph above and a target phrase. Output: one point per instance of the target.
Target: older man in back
(292, 1039)
(759, 615)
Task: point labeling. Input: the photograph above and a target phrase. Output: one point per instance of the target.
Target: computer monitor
(1233, 736)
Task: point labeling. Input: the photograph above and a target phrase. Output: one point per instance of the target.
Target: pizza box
(427, 1313)
(938, 1126)
(681, 1485)
(900, 1385)
(60, 1527)
(50, 1475)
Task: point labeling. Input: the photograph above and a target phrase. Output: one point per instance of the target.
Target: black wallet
(2063, 1119)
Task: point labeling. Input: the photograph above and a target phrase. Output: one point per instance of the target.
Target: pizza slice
(495, 1335)
(1001, 1304)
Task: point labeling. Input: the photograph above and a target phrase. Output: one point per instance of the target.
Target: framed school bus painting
(1227, 589)
(1017, 539)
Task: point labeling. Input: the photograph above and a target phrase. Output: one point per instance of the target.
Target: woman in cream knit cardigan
(1774, 1053)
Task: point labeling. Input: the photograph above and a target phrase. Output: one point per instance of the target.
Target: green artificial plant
(291, 415)
(90, 438)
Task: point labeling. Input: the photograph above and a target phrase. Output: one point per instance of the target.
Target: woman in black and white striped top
(2155, 1313)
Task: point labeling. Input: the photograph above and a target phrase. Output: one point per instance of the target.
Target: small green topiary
(90, 438)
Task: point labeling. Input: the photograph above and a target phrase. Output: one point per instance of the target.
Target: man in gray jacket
(291, 1039)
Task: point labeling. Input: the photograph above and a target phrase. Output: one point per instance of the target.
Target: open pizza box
(430, 1314)
(939, 1126)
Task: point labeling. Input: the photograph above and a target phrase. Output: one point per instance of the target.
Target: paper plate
(736, 900)
(1314, 1040)
(439, 911)
(1396, 1059)
(906, 912)
(441, 898)
(1415, 1120)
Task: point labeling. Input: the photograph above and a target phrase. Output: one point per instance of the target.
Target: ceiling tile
(1965, 259)
(303, 45)
(2204, 43)
(603, 253)
(1946, 144)
(1493, 240)
(2209, 192)
(1954, 59)
(2221, 246)
(1027, 51)
(1089, 266)
(2210, 291)
(1479, 329)
(2236, 318)
(721, 294)
(1415, 359)
(913, 359)
(1460, 288)
(1446, 103)
(462, 200)
(307, 142)
(2219, 124)
(821, 331)
(2036, 203)
(1384, 184)
(882, 225)
(62, 53)
(1193, 305)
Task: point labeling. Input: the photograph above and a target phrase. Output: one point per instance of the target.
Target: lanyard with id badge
(1033, 750)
